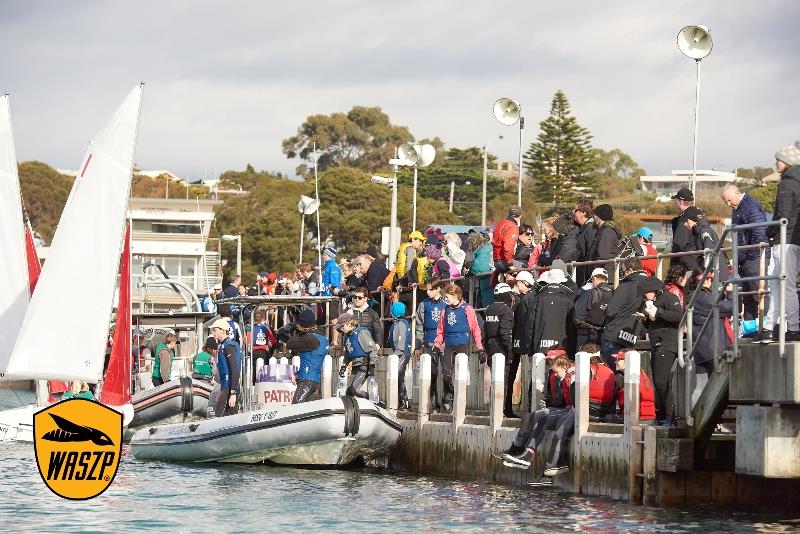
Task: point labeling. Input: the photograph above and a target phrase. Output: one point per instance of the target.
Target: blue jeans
(608, 350)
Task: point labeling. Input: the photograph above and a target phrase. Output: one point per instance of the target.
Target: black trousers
(402, 394)
(512, 365)
(157, 381)
(359, 372)
(305, 390)
(259, 353)
(662, 362)
(435, 359)
(448, 366)
(222, 408)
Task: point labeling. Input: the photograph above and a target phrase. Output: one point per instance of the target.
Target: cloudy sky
(227, 81)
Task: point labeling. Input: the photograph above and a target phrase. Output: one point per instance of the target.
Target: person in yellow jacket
(408, 266)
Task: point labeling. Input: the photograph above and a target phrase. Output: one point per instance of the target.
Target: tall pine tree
(560, 161)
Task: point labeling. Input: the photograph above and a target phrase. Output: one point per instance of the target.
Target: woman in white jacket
(452, 249)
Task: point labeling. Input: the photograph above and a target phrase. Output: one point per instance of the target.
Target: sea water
(255, 498)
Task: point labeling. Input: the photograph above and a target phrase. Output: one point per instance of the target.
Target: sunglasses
(359, 297)
(528, 233)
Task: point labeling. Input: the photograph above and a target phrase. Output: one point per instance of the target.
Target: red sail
(116, 389)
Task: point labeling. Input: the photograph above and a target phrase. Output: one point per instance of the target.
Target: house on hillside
(708, 183)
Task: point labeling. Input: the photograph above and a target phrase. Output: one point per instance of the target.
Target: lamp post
(306, 206)
(391, 183)
(508, 111)
(238, 239)
(695, 43)
(416, 155)
(452, 191)
(485, 172)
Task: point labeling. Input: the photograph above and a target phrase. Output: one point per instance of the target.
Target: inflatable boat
(178, 400)
(327, 432)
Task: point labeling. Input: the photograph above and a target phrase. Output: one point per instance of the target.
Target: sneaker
(510, 415)
(515, 466)
(447, 409)
(513, 450)
(765, 337)
(523, 459)
(553, 471)
(404, 405)
(792, 335)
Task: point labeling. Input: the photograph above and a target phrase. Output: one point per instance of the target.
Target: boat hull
(327, 432)
(175, 401)
(16, 424)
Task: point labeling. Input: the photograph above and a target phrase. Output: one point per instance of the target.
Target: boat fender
(186, 394)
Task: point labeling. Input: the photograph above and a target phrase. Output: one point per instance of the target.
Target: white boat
(92, 226)
(328, 432)
(176, 401)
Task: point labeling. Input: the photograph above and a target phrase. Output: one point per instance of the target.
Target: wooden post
(325, 380)
(392, 368)
(538, 371)
(424, 402)
(460, 398)
(632, 430)
(498, 391)
(649, 466)
(582, 377)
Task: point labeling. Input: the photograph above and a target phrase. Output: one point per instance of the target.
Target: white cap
(217, 287)
(599, 271)
(556, 276)
(501, 288)
(526, 277)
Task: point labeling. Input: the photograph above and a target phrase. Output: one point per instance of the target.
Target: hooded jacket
(553, 319)
(524, 322)
(787, 205)
(605, 245)
(625, 302)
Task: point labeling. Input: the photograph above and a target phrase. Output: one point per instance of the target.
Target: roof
(457, 228)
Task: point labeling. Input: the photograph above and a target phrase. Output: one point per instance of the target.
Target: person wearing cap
(522, 333)
(787, 206)
(504, 239)
(406, 254)
(162, 362)
(429, 312)
(559, 265)
(682, 238)
(622, 325)
(457, 326)
(584, 219)
(643, 239)
(226, 312)
(400, 343)
(499, 328)
(229, 366)
(203, 364)
(647, 396)
(209, 303)
(702, 234)
(360, 353)
(554, 307)
(590, 308)
(605, 243)
(663, 313)
(301, 339)
(331, 274)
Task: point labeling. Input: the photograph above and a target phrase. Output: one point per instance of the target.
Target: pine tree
(560, 161)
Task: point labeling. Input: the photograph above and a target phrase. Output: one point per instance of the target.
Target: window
(167, 227)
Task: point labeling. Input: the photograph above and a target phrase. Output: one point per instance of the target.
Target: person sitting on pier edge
(162, 362)
(429, 312)
(457, 325)
(703, 354)
(647, 394)
(360, 352)
(664, 313)
(522, 334)
(499, 327)
(554, 306)
(263, 339)
(301, 339)
(226, 312)
(557, 399)
(400, 343)
(623, 328)
(229, 364)
(203, 365)
(590, 308)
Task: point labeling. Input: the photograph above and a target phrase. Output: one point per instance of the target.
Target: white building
(664, 187)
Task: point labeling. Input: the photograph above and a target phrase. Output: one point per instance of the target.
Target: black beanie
(605, 212)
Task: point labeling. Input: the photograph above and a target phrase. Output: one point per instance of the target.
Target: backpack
(626, 248)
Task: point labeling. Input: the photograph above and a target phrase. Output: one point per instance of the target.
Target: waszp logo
(78, 444)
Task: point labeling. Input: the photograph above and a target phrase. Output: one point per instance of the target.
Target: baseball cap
(644, 232)
(599, 271)
(262, 274)
(693, 213)
(342, 319)
(416, 234)
(501, 288)
(217, 287)
(222, 324)
(683, 194)
(555, 353)
(526, 277)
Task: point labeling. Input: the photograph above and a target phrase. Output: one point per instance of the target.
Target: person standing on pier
(229, 364)
(499, 326)
(504, 239)
(590, 308)
(360, 352)
(584, 219)
(522, 334)
(682, 238)
(400, 343)
(623, 327)
(429, 312)
(311, 347)
(457, 326)
(605, 244)
(704, 354)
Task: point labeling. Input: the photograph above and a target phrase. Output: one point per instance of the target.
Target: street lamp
(238, 239)
(508, 111)
(306, 206)
(392, 184)
(485, 172)
(417, 156)
(452, 190)
(695, 43)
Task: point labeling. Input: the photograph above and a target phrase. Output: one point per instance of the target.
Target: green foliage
(44, 192)
(756, 173)
(765, 194)
(147, 187)
(363, 138)
(616, 173)
(560, 161)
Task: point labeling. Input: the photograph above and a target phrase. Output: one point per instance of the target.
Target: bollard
(284, 360)
(538, 376)
(273, 361)
(296, 362)
(632, 431)
(259, 366)
(460, 399)
(325, 379)
(498, 391)
(392, 368)
(424, 402)
(582, 376)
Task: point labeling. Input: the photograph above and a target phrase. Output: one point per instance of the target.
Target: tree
(44, 192)
(560, 161)
(617, 171)
(364, 138)
(147, 187)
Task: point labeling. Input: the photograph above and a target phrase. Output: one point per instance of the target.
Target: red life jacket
(601, 386)
(647, 398)
(553, 379)
(566, 382)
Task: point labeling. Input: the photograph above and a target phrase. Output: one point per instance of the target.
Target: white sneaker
(553, 471)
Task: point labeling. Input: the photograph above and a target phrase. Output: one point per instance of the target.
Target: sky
(226, 82)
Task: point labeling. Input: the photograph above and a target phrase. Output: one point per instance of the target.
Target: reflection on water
(226, 498)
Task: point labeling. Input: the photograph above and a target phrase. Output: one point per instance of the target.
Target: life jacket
(234, 329)
(422, 264)
(566, 384)
(202, 364)
(352, 346)
(601, 390)
(400, 260)
(598, 303)
(432, 311)
(261, 337)
(647, 398)
(222, 362)
(157, 360)
(522, 253)
(407, 348)
(456, 325)
(311, 361)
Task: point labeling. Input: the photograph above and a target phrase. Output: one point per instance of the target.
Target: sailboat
(87, 244)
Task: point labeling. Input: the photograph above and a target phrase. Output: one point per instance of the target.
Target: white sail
(64, 332)
(14, 267)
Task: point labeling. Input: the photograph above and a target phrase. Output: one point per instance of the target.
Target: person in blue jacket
(429, 311)
(229, 365)
(301, 339)
(360, 352)
(400, 343)
(331, 273)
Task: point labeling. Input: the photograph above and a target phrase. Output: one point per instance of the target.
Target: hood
(792, 173)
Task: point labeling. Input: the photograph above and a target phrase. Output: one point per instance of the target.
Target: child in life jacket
(400, 343)
(647, 396)
(262, 338)
(203, 365)
(360, 353)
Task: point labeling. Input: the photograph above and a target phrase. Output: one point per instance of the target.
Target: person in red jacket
(644, 237)
(504, 239)
(601, 384)
(647, 395)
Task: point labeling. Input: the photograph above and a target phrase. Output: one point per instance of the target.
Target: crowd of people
(526, 300)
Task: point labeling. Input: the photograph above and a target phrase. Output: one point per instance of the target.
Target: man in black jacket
(605, 244)
(664, 312)
(366, 316)
(621, 318)
(682, 238)
(523, 327)
(590, 308)
(583, 214)
(499, 326)
(553, 321)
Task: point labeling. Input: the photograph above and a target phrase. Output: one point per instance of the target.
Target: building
(664, 187)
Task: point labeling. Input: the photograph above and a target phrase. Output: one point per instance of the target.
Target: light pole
(238, 239)
(508, 111)
(391, 183)
(452, 191)
(695, 42)
(305, 206)
(485, 172)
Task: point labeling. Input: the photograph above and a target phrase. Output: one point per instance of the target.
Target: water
(243, 498)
